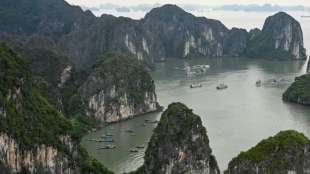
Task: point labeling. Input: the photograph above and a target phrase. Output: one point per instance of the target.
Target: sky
(204, 2)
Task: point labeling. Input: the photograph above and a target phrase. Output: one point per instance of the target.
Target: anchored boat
(107, 147)
(134, 150)
(221, 86)
(195, 85)
(258, 83)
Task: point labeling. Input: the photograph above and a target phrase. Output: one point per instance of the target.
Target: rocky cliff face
(176, 33)
(117, 89)
(34, 137)
(286, 152)
(42, 159)
(281, 37)
(236, 42)
(179, 144)
(167, 31)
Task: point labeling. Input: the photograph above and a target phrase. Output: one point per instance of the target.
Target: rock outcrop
(176, 33)
(286, 152)
(299, 91)
(49, 68)
(118, 88)
(236, 42)
(179, 144)
(167, 31)
(34, 137)
(281, 37)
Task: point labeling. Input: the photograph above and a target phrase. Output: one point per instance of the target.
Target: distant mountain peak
(166, 10)
(282, 14)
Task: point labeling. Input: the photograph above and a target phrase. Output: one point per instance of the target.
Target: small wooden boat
(106, 141)
(221, 86)
(140, 147)
(130, 131)
(195, 86)
(107, 135)
(258, 83)
(154, 122)
(133, 150)
(107, 147)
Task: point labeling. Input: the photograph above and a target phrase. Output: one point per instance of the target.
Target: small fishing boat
(107, 135)
(133, 150)
(154, 122)
(106, 141)
(107, 147)
(195, 86)
(221, 86)
(130, 131)
(140, 147)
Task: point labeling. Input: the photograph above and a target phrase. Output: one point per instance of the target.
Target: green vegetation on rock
(30, 118)
(27, 117)
(127, 74)
(179, 144)
(281, 38)
(91, 165)
(273, 155)
(299, 91)
(261, 46)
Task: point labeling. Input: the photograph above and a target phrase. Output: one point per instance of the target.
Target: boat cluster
(194, 70)
(268, 83)
(273, 82)
(218, 87)
(107, 138)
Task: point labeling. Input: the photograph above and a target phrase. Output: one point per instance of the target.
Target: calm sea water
(236, 118)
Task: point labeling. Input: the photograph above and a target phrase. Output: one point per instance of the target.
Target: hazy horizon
(204, 2)
(138, 9)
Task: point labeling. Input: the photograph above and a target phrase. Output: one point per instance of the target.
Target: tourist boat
(195, 70)
(200, 68)
(195, 85)
(221, 86)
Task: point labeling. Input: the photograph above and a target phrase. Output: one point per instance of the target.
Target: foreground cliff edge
(287, 152)
(179, 144)
(34, 137)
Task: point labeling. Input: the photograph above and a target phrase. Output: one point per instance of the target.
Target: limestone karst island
(154, 87)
